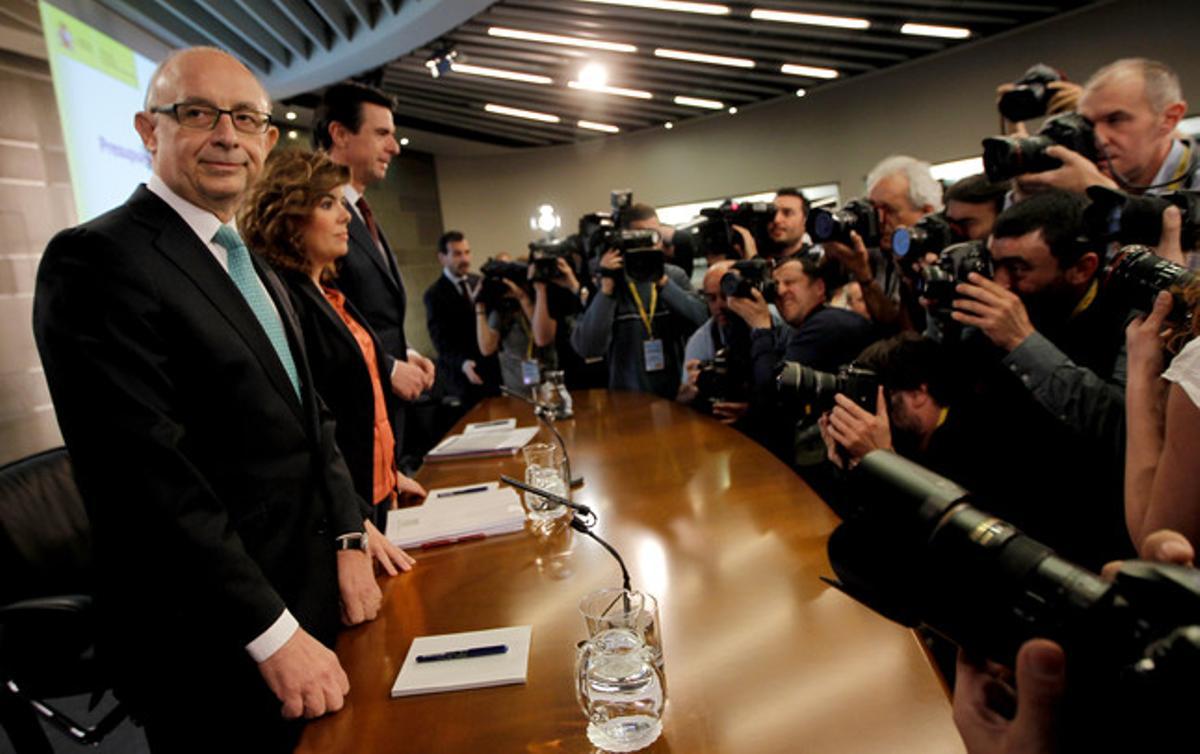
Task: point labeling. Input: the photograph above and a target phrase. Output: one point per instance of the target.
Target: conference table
(760, 656)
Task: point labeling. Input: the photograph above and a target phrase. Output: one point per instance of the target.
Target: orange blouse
(384, 474)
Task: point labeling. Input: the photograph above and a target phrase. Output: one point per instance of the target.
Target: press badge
(652, 350)
(531, 374)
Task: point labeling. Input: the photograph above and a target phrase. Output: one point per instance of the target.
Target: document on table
(480, 444)
(446, 520)
(501, 669)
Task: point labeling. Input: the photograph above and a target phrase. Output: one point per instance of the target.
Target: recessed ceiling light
(929, 30)
(293, 134)
(500, 73)
(668, 125)
(700, 57)
(290, 115)
(811, 71)
(810, 19)
(404, 141)
(620, 92)
(517, 112)
(556, 39)
(707, 104)
(801, 92)
(593, 76)
(708, 9)
(594, 126)
(733, 111)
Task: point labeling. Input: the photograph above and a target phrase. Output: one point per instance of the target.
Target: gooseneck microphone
(545, 415)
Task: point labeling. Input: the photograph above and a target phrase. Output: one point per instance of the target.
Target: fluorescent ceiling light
(555, 39)
(928, 30)
(594, 126)
(708, 9)
(516, 112)
(810, 19)
(634, 93)
(699, 57)
(811, 71)
(500, 73)
(708, 104)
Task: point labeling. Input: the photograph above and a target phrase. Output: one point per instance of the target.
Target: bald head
(1159, 84)
(712, 278)
(210, 166)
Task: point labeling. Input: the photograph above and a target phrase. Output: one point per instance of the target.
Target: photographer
(523, 333)
(973, 203)
(902, 190)
(677, 246)
(787, 228)
(1134, 104)
(640, 327)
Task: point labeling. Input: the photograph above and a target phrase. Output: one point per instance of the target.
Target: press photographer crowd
(1024, 334)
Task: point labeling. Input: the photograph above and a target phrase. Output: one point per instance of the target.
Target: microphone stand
(582, 523)
(545, 415)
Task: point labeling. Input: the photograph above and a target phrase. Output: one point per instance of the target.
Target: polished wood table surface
(760, 655)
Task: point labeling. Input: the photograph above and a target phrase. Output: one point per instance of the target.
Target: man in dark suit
(354, 125)
(450, 315)
(225, 525)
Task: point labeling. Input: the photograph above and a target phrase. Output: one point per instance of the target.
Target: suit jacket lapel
(360, 236)
(178, 243)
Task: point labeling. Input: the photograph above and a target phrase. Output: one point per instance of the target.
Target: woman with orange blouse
(296, 219)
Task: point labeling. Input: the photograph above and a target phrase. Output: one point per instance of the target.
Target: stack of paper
(466, 673)
(455, 518)
(499, 438)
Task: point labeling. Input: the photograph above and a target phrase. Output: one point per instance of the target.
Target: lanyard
(524, 322)
(647, 320)
(1087, 299)
(1181, 170)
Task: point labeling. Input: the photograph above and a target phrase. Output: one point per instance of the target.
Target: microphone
(545, 414)
(581, 525)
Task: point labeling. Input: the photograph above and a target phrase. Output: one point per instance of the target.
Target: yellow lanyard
(1087, 299)
(1181, 171)
(524, 322)
(647, 320)
(942, 416)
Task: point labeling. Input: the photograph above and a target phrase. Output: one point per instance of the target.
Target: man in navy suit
(354, 125)
(225, 525)
(450, 316)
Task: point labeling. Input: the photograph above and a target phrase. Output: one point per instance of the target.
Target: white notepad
(469, 673)
(482, 444)
(445, 520)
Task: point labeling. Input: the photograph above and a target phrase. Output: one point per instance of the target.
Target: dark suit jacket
(341, 377)
(376, 290)
(451, 321)
(214, 493)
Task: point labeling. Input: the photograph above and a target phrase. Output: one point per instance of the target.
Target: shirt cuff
(1035, 360)
(268, 642)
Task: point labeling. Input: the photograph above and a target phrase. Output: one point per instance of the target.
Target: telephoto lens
(858, 215)
(1006, 157)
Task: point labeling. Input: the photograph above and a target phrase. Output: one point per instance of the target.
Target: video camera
(642, 254)
(1006, 157)
(1116, 217)
(598, 230)
(929, 235)
(1137, 275)
(858, 215)
(938, 281)
(544, 256)
(1031, 96)
(814, 390)
(914, 550)
(714, 234)
(747, 275)
(492, 290)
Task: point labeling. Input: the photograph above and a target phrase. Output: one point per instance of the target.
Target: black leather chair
(46, 629)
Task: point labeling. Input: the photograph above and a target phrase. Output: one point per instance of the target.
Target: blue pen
(462, 654)
(464, 491)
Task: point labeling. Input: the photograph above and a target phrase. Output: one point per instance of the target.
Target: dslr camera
(814, 390)
(929, 235)
(714, 234)
(747, 275)
(723, 378)
(1031, 96)
(492, 290)
(857, 215)
(1136, 276)
(1116, 217)
(913, 549)
(954, 264)
(1006, 157)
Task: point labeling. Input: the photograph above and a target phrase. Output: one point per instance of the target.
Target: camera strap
(523, 321)
(647, 319)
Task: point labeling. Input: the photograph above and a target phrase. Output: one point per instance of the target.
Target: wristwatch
(355, 541)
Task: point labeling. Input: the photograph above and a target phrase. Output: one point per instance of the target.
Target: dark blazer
(451, 321)
(374, 286)
(341, 377)
(214, 493)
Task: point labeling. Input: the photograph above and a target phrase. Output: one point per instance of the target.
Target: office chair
(46, 620)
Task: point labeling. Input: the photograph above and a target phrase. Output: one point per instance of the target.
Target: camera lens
(901, 241)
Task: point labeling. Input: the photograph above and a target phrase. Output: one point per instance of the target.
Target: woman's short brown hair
(273, 217)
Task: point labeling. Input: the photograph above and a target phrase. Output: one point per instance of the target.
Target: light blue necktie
(241, 269)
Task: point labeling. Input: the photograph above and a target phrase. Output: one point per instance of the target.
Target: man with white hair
(903, 190)
(1135, 105)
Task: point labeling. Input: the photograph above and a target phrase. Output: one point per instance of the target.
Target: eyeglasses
(206, 117)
